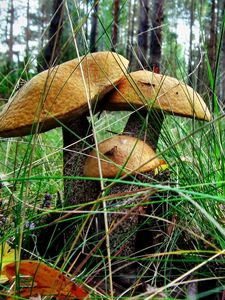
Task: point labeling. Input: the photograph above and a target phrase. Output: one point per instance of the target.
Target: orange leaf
(46, 280)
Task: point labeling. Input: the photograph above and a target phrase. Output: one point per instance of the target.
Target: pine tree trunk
(94, 25)
(190, 42)
(143, 34)
(223, 66)
(52, 50)
(129, 16)
(28, 28)
(132, 32)
(115, 30)
(212, 38)
(202, 66)
(11, 36)
(156, 35)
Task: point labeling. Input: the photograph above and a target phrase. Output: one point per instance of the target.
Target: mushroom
(121, 155)
(143, 88)
(149, 96)
(61, 95)
(64, 94)
(127, 156)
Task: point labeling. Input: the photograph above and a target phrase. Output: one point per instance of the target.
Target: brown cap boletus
(121, 155)
(61, 93)
(151, 90)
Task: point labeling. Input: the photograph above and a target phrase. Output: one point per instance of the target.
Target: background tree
(222, 67)
(52, 49)
(10, 39)
(156, 35)
(94, 25)
(212, 37)
(190, 60)
(143, 33)
(115, 28)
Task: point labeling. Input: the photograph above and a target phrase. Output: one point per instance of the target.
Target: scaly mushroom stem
(78, 141)
(146, 126)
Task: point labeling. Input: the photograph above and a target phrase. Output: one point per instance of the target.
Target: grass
(195, 197)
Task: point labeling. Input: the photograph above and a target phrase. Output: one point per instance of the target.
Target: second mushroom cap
(121, 155)
(147, 89)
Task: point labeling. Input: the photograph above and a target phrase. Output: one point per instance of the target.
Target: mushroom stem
(77, 141)
(146, 126)
(147, 237)
(150, 134)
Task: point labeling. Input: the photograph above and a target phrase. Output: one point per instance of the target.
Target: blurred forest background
(183, 38)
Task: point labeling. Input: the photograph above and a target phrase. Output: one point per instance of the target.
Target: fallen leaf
(46, 281)
(7, 255)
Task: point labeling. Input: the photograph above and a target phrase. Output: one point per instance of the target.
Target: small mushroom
(121, 155)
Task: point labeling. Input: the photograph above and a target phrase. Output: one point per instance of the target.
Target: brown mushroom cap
(60, 93)
(147, 89)
(123, 154)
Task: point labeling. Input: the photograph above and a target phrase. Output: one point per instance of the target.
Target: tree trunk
(41, 24)
(27, 29)
(129, 16)
(52, 50)
(156, 35)
(11, 36)
(94, 29)
(202, 67)
(132, 32)
(143, 34)
(190, 61)
(212, 38)
(115, 30)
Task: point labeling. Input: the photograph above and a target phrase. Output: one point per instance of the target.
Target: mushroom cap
(147, 89)
(61, 93)
(123, 154)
